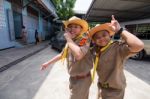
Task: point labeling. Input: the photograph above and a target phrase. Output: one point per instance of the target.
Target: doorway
(17, 24)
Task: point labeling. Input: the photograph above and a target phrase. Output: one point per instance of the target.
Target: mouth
(71, 33)
(102, 41)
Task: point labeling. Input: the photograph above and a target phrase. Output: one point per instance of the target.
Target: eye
(74, 26)
(98, 37)
(104, 35)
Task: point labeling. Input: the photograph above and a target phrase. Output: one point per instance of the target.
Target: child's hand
(44, 66)
(115, 24)
(67, 35)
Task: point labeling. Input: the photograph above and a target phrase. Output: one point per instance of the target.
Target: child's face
(74, 29)
(101, 38)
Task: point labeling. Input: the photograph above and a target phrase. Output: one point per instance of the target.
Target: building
(33, 14)
(134, 15)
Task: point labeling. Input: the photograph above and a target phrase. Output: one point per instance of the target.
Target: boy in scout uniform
(110, 57)
(79, 62)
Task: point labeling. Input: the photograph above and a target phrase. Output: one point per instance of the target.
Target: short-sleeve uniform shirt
(110, 66)
(83, 66)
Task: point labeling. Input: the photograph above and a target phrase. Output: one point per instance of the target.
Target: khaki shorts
(79, 88)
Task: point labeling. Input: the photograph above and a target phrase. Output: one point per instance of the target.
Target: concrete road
(26, 81)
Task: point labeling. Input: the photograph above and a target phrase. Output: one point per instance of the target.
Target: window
(142, 31)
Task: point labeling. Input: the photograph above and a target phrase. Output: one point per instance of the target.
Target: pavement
(55, 86)
(12, 56)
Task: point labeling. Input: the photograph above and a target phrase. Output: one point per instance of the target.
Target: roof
(48, 6)
(124, 10)
(49, 9)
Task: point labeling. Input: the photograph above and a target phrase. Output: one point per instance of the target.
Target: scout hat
(102, 27)
(78, 21)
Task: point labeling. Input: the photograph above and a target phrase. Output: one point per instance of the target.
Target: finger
(113, 18)
(110, 24)
(41, 68)
(67, 30)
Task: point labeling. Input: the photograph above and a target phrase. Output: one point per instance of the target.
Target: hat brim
(82, 23)
(101, 28)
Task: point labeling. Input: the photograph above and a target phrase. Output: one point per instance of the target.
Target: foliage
(64, 8)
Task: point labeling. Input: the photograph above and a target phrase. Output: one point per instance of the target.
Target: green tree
(64, 8)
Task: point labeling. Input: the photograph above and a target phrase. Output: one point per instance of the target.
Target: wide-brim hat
(78, 21)
(102, 27)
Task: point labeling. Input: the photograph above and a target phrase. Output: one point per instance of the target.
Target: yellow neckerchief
(97, 59)
(64, 55)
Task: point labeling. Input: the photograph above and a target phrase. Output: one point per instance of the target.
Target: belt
(81, 76)
(104, 85)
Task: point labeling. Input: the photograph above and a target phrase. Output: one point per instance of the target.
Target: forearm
(55, 59)
(75, 49)
(134, 43)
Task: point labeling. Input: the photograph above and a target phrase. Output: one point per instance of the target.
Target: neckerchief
(97, 59)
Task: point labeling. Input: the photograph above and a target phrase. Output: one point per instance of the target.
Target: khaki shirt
(110, 66)
(80, 67)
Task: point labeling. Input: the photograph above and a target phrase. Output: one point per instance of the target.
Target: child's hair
(23, 26)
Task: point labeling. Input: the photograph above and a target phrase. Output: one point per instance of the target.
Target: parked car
(58, 42)
(144, 52)
(146, 40)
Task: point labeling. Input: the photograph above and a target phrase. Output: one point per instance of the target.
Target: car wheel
(138, 56)
(52, 46)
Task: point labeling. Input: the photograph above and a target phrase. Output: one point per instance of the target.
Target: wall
(31, 23)
(6, 30)
(35, 22)
(7, 34)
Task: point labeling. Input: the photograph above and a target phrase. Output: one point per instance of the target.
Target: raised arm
(75, 49)
(134, 43)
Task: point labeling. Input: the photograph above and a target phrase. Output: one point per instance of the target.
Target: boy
(78, 62)
(110, 57)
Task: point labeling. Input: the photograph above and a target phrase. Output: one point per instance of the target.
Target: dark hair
(23, 26)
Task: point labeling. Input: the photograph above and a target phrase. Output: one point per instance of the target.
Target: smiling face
(74, 29)
(101, 38)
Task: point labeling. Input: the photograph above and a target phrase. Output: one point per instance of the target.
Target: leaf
(64, 8)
